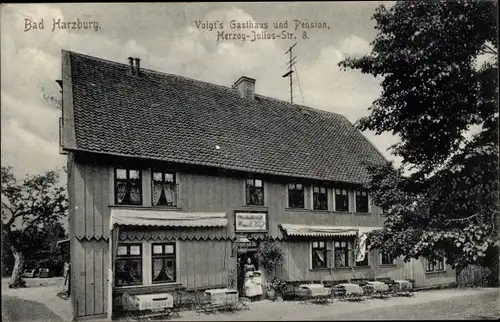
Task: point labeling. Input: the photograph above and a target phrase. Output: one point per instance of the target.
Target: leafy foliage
(31, 211)
(270, 255)
(426, 54)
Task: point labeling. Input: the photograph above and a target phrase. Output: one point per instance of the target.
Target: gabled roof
(172, 118)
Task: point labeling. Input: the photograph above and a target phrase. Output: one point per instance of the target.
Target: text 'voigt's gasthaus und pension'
(251, 31)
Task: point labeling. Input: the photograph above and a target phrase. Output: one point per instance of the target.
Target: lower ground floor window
(434, 265)
(364, 262)
(386, 259)
(341, 253)
(128, 265)
(331, 253)
(163, 263)
(319, 254)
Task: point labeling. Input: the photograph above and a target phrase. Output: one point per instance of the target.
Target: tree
(433, 93)
(28, 207)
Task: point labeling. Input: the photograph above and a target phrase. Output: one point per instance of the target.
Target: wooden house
(166, 173)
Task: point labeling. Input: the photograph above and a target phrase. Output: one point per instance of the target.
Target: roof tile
(172, 118)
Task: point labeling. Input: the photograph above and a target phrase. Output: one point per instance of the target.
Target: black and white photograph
(250, 161)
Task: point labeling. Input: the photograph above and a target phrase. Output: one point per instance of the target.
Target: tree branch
(490, 50)
(463, 219)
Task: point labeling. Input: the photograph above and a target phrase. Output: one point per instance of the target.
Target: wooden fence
(472, 276)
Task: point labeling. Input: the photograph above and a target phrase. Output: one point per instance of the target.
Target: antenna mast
(289, 73)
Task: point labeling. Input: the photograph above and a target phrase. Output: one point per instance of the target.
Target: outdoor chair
(337, 292)
(241, 305)
(403, 288)
(202, 303)
(289, 292)
(183, 301)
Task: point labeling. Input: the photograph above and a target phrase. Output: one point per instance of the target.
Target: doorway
(244, 254)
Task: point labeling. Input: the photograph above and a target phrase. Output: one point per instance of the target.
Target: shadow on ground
(16, 309)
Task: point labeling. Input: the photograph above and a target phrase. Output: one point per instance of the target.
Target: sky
(169, 37)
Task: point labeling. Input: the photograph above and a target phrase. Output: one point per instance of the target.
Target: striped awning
(324, 231)
(158, 218)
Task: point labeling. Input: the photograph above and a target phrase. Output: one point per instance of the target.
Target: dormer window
(164, 189)
(320, 198)
(361, 201)
(128, 186)
(295, 195)
(341, 200)
(254, 192)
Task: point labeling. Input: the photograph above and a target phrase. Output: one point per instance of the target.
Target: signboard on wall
(250, 221)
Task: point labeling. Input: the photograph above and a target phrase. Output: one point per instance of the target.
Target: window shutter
(329, 254)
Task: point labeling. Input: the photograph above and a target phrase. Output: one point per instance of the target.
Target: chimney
(131, 66)
(137, 67)
(246, 87)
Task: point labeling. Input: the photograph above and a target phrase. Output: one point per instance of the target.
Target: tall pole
(291, 62)
(291, 80)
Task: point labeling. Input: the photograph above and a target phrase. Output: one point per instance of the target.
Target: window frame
(315, 197)
(303, 203)
(347, 252)
(336, 203)
(248, 194)
(356, 199)
(428, 263)
(174, 183)
(365, 262)
(129, 257)
(164, 256)
(323, 249)
(127, 169)
(392, 262)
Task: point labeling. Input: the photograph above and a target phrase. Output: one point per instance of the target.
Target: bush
(270, 255)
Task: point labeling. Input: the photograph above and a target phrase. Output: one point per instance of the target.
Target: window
(341, 200)
(128, 270)
(320, 199)
(255, 192)
(341, 253)
(319, 254)
(128, 186)
(364, 262)
(386, 259)
(164, 189)
(361, 201)
(295, 195)
(163, 263)
(434, 266)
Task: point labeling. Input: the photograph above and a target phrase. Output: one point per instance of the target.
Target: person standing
(249, 266)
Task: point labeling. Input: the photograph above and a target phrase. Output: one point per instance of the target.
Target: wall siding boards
(204, 257)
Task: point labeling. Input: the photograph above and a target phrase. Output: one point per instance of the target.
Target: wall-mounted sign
(250, 221)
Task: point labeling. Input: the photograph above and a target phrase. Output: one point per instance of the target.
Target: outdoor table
(317, 292)
(379, 286)
(353, 291)
(223, 298)
(404, 287)
(160, 304)
(381, 289)
(404, 284)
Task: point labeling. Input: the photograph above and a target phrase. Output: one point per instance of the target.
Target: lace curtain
(157, 267)
(169, 271)
(168, 192)
(168, 189)
(157, 187)
(135, 193)
(121, 191)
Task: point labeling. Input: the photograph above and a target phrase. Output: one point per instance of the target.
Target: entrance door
(244, 256)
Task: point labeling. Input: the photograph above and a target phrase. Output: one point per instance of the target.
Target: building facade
(166, 173)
